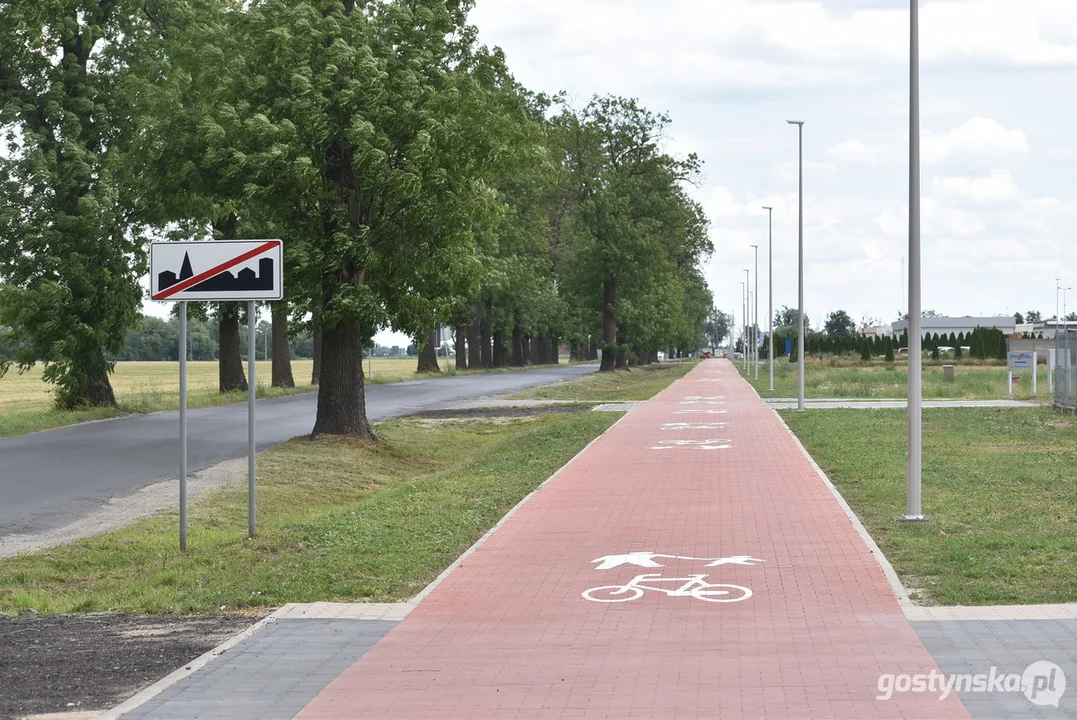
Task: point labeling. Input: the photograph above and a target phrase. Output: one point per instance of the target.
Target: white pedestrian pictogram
(693, 426)
(701, 412)
(647, 560)
(695, 586)
(713, 444)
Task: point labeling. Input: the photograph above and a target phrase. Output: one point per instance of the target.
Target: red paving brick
(509, 634)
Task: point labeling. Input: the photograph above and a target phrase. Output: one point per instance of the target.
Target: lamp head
(796, 122)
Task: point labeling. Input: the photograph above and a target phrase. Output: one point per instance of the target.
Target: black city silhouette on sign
(246, 281)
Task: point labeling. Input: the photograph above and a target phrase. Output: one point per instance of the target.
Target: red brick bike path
(510, 634)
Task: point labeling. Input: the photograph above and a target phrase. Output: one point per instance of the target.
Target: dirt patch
(499, 412)
(78, 663)
(1059, 423)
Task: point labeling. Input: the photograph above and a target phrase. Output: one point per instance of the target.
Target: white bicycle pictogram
(695, 586)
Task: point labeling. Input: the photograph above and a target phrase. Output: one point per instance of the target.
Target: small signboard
(1021, 361)
(220, 270)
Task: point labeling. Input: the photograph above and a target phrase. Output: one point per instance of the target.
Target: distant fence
(1066, 372)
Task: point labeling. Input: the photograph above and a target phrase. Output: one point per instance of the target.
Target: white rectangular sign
(1021, 360)
(220, 270)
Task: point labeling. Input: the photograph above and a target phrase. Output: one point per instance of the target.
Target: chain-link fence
(1065, 369)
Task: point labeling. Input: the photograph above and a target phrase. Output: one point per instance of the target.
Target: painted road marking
(712, 444)
(693, 426)
(647, 560)
(694, 586)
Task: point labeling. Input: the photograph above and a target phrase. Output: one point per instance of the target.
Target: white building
(956, 325)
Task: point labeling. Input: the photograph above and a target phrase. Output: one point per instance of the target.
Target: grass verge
(999, 489)
(640, 383)
(339, 520)
(833, 378)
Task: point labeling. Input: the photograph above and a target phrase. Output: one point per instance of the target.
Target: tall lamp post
(743, 324)
(747, 320)
(914, 508)
(800, 268)
(770, 293)
(755, 314)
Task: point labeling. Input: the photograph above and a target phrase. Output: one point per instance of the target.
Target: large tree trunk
(230, 372)
(642, 356)
(518, 356)
(499, 350)
(485, 338)
(97, 392)
(474, 339)
(552, 345)
(653, 358)
(282, 352)
(610, 357)
(341, 396)
(316, 350)
(428, 356)
(461, 344)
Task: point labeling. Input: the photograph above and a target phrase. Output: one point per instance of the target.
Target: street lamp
(770, 293)
(800, 271)
(743, 305)
(755, 315)
(914, 509)
(747, 319)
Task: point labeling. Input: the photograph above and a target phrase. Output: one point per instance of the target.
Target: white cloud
(978, 140)
(854, 152)
(995, 189)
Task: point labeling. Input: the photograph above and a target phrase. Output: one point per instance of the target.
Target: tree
(633, 227)
(718, 327)
(865, 349)
(369, 132)
(1033, 316)
(70, 256)
(1018, 318)
(888, 347)
(839, 324)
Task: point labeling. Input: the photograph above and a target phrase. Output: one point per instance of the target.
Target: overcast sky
(999, 119)
(998, 104)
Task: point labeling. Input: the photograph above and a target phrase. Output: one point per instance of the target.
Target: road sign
(224, 270)
(1021, 360)
(219, 270)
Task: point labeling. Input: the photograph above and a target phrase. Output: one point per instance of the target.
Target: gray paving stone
(975, 646)
(272, 674)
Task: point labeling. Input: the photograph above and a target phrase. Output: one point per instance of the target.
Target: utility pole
(914, 505)
(800, 265)
(770, 293)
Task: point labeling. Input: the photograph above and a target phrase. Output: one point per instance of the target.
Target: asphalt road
(51, 478)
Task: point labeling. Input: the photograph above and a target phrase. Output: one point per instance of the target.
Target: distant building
(956, 325)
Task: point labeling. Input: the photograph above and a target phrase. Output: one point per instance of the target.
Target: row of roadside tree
(414, 180)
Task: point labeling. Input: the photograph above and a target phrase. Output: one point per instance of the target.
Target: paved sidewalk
(690, 563)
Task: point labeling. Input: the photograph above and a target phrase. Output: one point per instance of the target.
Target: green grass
(640, 383)
(339, 520)
(849, 378)
(999, 489)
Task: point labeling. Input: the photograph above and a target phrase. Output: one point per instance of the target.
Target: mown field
(26, 401)
(975, 380)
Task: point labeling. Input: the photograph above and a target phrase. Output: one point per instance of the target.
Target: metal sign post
(252, 390)
(183, 423)
(223, 271)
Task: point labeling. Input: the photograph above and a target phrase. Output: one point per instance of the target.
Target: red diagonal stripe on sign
(192, 281)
